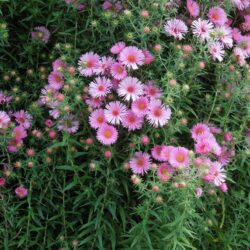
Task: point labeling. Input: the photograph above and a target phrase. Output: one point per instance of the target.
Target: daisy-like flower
(55, 80)
(165, 153)
(239, 56)
(226, 155)
(158, 114)
(217, 15)
(179, 157)
(244, 44)
(216, 50)
(55, 113)
(68, 124)
(14, 144)
(140, 106)
(156, 152)
(4, 99)
(241, 4)
(97, 118)
(114, 112)
(131, 57)
(88, 64)
(165, 172)
(131, 121)
(100, 87)
(140, 163)
(58, 65)
(19, 132)
(21, 192)
(152, 91)
(246, 25)
(4, 119)
(216, 174)
(41, 33)
(176, 28)
(198, 130)
(148, 57)
(224, 35)
(201, 29)
(237, 36)
(130, 88)
(23, 118)
(118, 71)
(94, 102)
(104, 65)
(193, 8)
(117, 48)
(107, 134)
(207, 144)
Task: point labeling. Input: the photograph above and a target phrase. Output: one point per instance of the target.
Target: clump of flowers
(116, 97)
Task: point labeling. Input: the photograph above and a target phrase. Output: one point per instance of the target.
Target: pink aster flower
(158, 114)
(68, 124)
(58, 65)
(140, 106)
(156, 152)
(14, 144)
(94, 102)
(118, 71)
(179, 157)
(246, 24)
(41, 33)
(216, 50)
(198, 130)
(19, 132)
(223, 187)
(237, 36)
(140, 163)
(152, 91)
(176, 28)
(88, 64)
(225, 156)
(107, 134)
(130, 88)
(104, 65)
(114, 112)
(23, 118)
(239, 56)
(131, 57)
(165, 172)
(55, 113)
(148, 57)
(224, 35)
(21, 192)
(97, 118)
(217, 15)
(131, 121)
(2, 181)
(216, 174)
(198, 192)
(244, 45)
(201, 29)
(193, 8)
(4, 99)
(165, 152)
(117, 48)
(4, 119)
(207, 144)
(241, 4)
(55, 80)
(100, 87)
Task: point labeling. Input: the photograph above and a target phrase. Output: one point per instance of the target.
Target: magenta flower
(241, 4)
(88, 64)
(41, 33)
(148, 57)
(117, 48)
(21, 192)
(165, 172)
(114, 112)
(152, 91)
(4, 119)
(156, 152)
(107, 134)
(216, 174)
(118, 71)
(165, 152)
(68, 124)
(193, 8)
(23, 118)
(131, 121)
(216, 50)
(140, 163)
(176, 28)
(140, 106)
(198, 130)
(178, 157)
(55, 80)
(19, 132)
(100, 87)
(217, 15)
(97, 118)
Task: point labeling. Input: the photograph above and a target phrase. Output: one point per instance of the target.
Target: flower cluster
(116, 98)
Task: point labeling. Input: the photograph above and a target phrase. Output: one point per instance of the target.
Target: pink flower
(88, 64)
(19, 132)
(179, 157)
(140, 106)
(225, 156)
(193, 8)
(95, 102)
(152, 91)
(176, 28)
(97, 118)
(107, 134)
(165, 152)
(118, 71)
(158, 114)
(55, 80)
(165, 172)
(68, 124)
(140, 163)
(237, 36)
(198, 130)
(224, 35)
(131, 57)
(216, 174)
(241, 4)
(100, 87)
(216, 50)
(223, 187)
(130, 88)
(4, 119)
(148, 57)
(104, 65)
(41, 33)
(14, 144)
(228, 136)
(202, 29)
(246, 24)
(21, 192)
(59, 64)
(114, 112)
(198, 192)
(2, 181)
(156, 152)
(244, 45)
(23, 118)
(117, 48)
(131, 121)
(207, 144)
(217, 15)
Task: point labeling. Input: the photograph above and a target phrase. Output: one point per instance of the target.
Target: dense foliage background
(79, 199)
